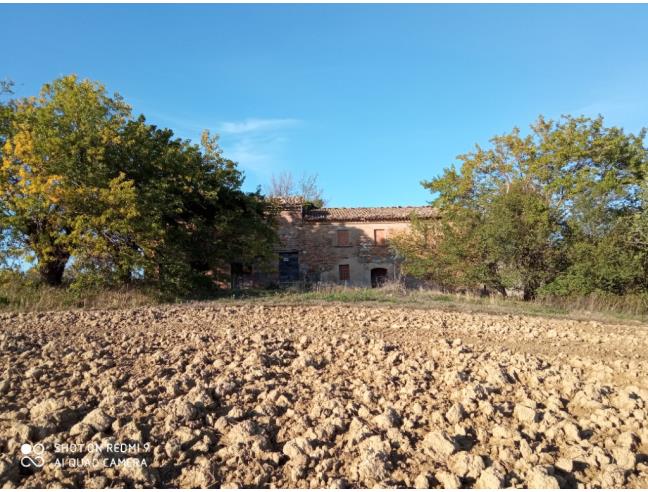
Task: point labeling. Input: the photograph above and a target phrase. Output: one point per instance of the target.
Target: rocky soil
(320, 396)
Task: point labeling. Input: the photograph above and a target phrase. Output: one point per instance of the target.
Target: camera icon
(32, 455)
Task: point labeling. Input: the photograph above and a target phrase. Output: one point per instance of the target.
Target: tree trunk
(501, 289)
(51, 271)
(124, 276)
(528, 294)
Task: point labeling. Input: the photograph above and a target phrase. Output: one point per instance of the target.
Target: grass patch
(22, 293)
(598, 309)
(56, 299)
(18, 293)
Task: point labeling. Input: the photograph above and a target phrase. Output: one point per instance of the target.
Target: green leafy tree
(520, 235)
(84, 184)
(417, 248)
(53, 156)
(543, 211)
(194, 217)
(640, 220)
(107, 243)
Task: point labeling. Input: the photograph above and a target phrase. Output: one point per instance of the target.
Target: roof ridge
(384, 206)
(397, 213)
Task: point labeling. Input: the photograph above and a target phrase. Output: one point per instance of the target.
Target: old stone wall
(289, 227)
(320, 255)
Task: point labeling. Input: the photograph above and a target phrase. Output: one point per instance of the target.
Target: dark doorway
(288, 267)
(240, 275)
(237, 274)
(378, 277)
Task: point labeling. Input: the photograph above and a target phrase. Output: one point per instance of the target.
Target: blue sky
(373, 98)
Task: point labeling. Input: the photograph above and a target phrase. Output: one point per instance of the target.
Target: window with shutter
(345, 272)
(379, 237)
(343, 238)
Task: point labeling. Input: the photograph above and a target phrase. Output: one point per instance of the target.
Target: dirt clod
(251, 395)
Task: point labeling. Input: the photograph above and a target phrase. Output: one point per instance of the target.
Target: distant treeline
(559, 211)
(92, 196)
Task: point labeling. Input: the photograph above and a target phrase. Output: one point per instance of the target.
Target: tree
(282, 185)
(107, 243)
(83, 181)
(520, 234)
(416, 249)
(307, 188)
(6, 86)
(53, 157)
(6, 114)
(532, 212)
(194, 217)
(5, 127)
(640, 220)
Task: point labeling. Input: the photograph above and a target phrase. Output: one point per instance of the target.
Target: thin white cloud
(628, 113)
(245, 126)
(252, 125)
(251, 156)
(257, 144)
(258, 153)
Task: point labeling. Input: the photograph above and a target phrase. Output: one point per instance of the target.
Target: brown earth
(320, 396)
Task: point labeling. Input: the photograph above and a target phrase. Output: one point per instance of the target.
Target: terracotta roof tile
(365, 214)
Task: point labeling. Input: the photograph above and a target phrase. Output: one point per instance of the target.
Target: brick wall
(320, 255)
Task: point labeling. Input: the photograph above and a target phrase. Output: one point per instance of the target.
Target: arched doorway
(378, 276)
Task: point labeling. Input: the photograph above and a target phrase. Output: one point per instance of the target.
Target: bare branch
(282, 186)
(307, 188)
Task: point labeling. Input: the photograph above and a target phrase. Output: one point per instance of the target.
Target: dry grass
(24, 296)
(633, 305)
(594, 307)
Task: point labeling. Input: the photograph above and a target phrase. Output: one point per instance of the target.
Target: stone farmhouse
(340, 245)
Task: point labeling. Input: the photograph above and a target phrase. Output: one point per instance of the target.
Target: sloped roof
(367, 214)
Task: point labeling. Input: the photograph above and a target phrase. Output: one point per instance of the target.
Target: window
(343, 238)
(345, 272)
(379, 237)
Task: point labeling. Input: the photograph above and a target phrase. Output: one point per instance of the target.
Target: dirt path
(320, 396)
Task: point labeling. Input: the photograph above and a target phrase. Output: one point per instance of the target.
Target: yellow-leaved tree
(84, 184)
(54, 174)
